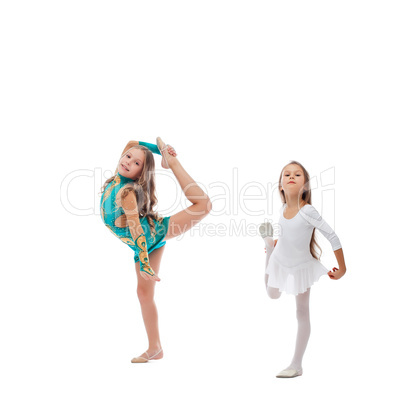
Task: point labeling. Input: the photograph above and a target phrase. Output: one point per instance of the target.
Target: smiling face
(292, 179)
(131, 164)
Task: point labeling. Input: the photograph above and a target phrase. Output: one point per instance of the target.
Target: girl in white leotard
(292, 264)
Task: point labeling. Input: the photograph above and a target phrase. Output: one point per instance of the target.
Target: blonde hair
(315, 249)
(144, 189)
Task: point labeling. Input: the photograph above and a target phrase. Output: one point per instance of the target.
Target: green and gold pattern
(145, 243)
(107, 193)
(141, 244)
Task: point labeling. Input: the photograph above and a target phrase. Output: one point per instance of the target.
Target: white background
(234, 86)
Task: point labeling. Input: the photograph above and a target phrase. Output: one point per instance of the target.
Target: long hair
(315, 249)
(144, 188)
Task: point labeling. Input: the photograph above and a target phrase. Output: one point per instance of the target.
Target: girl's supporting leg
(145, 293)
(201, 205)
(302, 337)
(303, 316)
(303, 334)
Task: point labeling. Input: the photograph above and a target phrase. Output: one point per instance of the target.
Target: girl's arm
(337, 273)
(129, 205)
(152, 147)
(314, 218)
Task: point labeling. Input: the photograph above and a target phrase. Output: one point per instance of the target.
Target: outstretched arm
(129, 205)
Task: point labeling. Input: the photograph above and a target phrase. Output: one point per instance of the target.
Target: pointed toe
(289, 373)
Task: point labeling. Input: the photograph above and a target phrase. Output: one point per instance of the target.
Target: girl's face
(292, 180)
(131, 164)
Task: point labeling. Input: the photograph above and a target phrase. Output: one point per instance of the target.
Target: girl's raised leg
(201, 205)
(145, 293)
(273, 293)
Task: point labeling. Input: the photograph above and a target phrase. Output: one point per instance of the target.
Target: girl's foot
(148, 355)
(290, 372)
(266, 230)
(167, 151)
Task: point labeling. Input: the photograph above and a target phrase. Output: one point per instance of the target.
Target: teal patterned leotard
(110, 212)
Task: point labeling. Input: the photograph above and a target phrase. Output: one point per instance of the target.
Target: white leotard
(291, 267)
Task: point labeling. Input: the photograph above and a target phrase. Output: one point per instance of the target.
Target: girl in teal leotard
(127, 205)
(113, 215)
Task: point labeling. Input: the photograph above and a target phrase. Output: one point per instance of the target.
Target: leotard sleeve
(314, 218)
(152, 147)
(129, 206)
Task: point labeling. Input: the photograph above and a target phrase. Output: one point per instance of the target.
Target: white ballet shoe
(266, 229)
(289, 373)
(142, 359)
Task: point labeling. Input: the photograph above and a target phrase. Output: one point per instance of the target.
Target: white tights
(302, 313)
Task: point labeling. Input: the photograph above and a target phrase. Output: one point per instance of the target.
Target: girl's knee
(302, 309)
(145, 295)
(273, 293)
(302, 312)
(209, 205)
(206, 205)
(202, 208)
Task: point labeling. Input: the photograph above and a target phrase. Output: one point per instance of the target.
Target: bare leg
(145, 292)
(201, 205)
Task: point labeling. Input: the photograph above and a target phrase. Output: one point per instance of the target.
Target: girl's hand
(336, 273)
(149, 277)
(172, 151)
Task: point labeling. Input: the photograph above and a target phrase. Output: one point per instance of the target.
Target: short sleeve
(311, 215)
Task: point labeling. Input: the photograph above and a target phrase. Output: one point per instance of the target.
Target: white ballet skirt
(291, 267)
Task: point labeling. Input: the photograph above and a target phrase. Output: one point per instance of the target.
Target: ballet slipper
(266, 229)
(289, 373)
(142, 359)
(163, 148)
